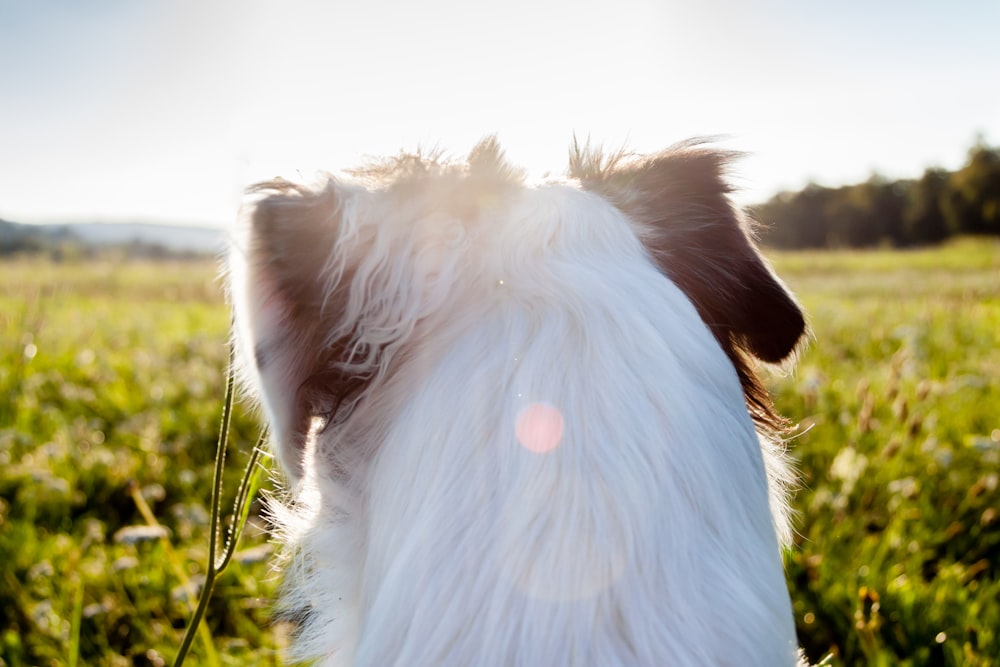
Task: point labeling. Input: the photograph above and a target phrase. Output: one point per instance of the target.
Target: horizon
(224, 225)
(163, 113)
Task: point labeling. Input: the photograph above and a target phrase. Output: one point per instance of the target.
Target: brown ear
(293, 230)
(295, 294)
(680, 203)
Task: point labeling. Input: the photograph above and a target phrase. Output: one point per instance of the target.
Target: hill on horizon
(203, 240)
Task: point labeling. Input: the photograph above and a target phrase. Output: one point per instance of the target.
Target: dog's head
(336, 285)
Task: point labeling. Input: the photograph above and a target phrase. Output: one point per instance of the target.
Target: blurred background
(128, 132)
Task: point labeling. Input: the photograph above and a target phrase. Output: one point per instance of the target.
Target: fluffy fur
(395, 327)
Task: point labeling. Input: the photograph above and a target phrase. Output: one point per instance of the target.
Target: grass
(899, 532)
(113, 375)
(113, 379)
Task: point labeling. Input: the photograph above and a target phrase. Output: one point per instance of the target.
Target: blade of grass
(74, 630)
(241, 508)
(247, 489)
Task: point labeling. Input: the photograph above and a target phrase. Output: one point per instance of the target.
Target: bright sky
(163, 110)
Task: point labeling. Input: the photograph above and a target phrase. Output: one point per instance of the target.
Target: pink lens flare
(539, 428)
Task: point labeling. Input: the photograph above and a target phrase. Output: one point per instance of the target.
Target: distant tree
(18, 239)
(972, 204)
(866, 214)
(924, 219)
(879, 211)
(795, 219)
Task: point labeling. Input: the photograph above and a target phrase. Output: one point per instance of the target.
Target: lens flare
(539, 428)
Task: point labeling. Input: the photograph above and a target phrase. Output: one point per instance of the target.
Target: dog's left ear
(679, 201)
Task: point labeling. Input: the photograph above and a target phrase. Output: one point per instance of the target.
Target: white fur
(648, 536)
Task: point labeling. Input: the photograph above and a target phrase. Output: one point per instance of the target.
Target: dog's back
(522, 424)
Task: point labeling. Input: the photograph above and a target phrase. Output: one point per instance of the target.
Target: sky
(165, 110)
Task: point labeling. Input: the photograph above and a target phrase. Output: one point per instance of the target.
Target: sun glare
(539, 428)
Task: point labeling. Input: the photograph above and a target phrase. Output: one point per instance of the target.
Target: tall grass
(898, 550)
(112, 374)
(112, 379)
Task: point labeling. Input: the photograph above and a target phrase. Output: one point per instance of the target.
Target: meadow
(112, 378)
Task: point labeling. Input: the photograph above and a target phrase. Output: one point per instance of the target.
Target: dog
(521, 424)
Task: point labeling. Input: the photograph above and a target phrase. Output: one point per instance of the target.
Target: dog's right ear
(288, 287)
(679, 203)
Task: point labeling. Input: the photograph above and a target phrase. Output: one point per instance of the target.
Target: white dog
(521, 425)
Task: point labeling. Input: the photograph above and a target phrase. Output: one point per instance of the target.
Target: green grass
(897, 557)
(112, 379)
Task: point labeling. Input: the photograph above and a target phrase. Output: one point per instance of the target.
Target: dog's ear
(288, 295)
(680, 204)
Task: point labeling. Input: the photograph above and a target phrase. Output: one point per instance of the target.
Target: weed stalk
(247, 489)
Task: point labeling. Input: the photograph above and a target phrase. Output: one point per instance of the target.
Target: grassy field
(112, 379)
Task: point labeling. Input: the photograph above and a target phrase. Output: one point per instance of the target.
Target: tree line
(881, 212)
